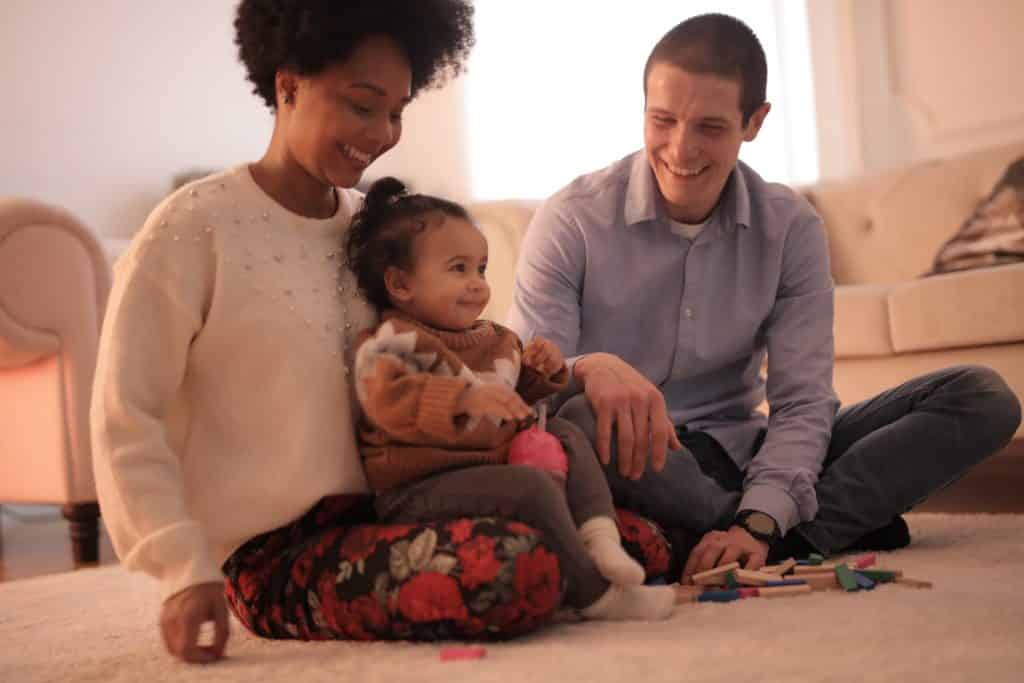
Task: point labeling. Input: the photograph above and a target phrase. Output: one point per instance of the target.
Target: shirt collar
(643, 203)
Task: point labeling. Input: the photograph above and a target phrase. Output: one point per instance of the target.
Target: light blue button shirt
(602, 271)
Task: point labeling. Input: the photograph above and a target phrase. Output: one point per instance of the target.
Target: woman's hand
(492, 399)
(182, 615)
(543, 356)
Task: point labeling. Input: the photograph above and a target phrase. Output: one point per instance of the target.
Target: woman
(222, 416)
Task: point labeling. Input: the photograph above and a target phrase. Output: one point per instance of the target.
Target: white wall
(107, 100)
(904, 80)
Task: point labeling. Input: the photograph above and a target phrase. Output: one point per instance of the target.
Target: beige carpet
(100, 625)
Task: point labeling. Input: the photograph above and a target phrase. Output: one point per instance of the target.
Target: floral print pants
(336, 574)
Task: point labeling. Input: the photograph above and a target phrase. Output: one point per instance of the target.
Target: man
(669, 276)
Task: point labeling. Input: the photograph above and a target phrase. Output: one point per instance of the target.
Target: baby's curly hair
(311, 35)
(383, 231)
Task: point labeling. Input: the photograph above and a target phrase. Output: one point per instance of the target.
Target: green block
(846, 578)
(815, 559)
(878, 575)
(730, 581)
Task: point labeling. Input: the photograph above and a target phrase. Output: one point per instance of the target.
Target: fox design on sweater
(408, 380)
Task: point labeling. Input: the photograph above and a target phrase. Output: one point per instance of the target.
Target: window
(554, 89)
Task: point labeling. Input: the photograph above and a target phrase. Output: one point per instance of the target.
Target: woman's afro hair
(312, 35)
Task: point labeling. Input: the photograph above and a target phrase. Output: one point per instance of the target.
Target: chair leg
(84, 521)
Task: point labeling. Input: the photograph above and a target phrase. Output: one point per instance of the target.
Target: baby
(445, 393)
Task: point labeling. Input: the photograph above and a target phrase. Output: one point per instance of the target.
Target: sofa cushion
(994, 234)
(504, 224)
(969, 308)
(887, 227)
(862, 321)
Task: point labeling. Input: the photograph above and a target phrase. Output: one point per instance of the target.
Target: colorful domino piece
(863, 581)
(451, 654)
(714, 576)
(752, 578)
(864, 561)
(719, 596)
(783, 591)
(846, 578)
(779, 569)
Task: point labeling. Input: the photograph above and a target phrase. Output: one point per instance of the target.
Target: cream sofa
(54, 282)
(884, 231)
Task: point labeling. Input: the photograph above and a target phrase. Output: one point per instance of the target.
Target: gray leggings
(522, 493)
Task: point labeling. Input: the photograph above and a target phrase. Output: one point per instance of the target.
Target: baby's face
(447, 288)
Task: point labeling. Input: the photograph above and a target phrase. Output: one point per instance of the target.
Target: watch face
(761, 523)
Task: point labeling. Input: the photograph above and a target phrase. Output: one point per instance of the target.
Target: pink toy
(864, 561)
(451, 654)
(540, 449)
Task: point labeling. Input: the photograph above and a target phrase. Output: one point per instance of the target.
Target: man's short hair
(720, 45)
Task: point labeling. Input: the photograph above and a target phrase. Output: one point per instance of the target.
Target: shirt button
(688, 312)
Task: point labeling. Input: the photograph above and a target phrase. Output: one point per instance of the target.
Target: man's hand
(492, 399)
(182, 615)
(722, 547)
(543, 356)
(624, 399)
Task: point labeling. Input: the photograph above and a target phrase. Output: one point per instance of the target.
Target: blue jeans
(887, 454)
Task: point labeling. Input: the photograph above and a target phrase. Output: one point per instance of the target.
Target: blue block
(718, 596)
(863, 581)
(785, 582)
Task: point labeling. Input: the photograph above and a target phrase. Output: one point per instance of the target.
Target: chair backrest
(54, 284)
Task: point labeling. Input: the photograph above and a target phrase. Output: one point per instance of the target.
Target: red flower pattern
(423, 605)
(359, 543)
(460, 530)
(431, 596)
(538, 581)
(479, 565)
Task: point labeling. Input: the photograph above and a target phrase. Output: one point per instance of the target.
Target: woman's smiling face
(345, 117)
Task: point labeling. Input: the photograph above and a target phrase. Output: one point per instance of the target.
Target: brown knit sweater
(408, 378)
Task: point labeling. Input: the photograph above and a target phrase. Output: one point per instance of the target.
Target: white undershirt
(687, 230)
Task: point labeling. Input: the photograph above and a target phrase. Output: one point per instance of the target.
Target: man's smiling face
(693, 129)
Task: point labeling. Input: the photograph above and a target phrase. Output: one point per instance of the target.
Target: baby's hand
(492, 399)
(543, 356)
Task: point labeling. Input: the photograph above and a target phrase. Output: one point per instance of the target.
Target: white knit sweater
(222, 406)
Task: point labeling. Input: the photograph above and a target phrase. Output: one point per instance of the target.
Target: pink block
(749, 592)
(864, 561)
(451, 654)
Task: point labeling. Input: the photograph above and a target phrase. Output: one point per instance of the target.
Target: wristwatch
(761, 526)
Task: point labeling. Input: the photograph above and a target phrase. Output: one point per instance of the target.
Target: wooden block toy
(913, 583)
(714, 576)
(751, 578)
(864, 561)
(815, 559)
(749, 592)
(864, 582)
(730, 580)
(846, 578)
(821, 581)
(786, 582)
(779, 569)
(880, 575)
(783, 591)
(814, 569)
(719, 596)
(451, 654)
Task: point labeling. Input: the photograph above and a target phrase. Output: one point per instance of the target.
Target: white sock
(600, 537)
(633, 603)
